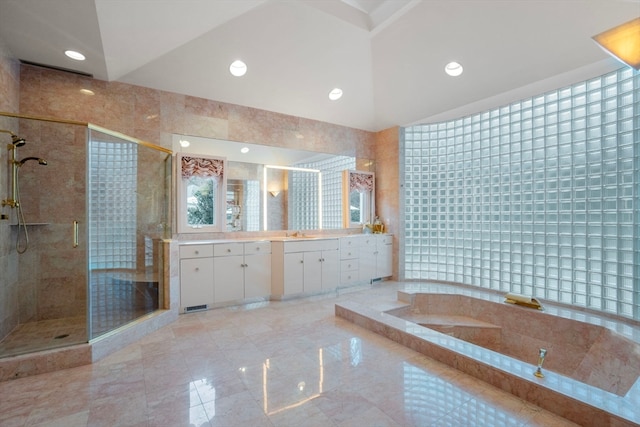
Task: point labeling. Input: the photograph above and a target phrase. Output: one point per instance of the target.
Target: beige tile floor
(288, 363)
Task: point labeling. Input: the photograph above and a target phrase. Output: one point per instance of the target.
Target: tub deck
(572, 399)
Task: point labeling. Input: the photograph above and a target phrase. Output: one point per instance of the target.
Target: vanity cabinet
(196, 273)
(304, 266)
(241, 270)
(219, 273)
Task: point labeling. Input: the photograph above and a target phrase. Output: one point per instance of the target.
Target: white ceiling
(388, 56)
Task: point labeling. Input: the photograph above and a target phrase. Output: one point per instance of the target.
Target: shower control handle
(75, 234)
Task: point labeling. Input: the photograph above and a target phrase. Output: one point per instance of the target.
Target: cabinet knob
(197, 268)
(228, 250)
(301, 261)
(257, 248)
(196, 252)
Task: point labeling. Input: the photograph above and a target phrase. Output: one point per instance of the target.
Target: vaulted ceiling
(388, 56)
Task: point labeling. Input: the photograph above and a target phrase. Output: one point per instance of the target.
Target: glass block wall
(331, 169)
(539, 197)
(113, 168)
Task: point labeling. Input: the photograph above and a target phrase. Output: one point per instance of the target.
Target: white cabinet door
(196, 282)
(228, 278)
(293, 273)
(330, 270)
(257, 276)
(368, 260)
(385, 259)
(312, 271)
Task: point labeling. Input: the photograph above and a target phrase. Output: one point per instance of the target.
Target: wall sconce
(623, 42)
(274, 193)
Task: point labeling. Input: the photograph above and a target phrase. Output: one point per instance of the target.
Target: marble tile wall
(589, 353)
(9, 102)
(154, 115)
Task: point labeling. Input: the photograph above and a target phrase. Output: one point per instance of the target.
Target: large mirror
(273, 188)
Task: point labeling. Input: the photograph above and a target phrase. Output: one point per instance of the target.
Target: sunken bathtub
(590, 371)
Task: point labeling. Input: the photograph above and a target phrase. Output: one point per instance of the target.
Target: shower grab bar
(75, 234)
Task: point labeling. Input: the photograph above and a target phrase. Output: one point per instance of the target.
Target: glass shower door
(44, 286)
(127, 208)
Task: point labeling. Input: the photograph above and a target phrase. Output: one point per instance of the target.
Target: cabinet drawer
(228, 249)
(349, 253)
(369, 240)
(350, 242)
(257, 248)
(348, 276)
(311, 245)
(349, 265)
(196, 251)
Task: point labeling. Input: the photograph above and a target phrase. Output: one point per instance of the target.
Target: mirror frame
(348, 176)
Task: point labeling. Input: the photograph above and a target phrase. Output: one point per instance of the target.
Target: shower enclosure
(95, 217)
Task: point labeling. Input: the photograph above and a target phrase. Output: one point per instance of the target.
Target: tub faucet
(541, 355)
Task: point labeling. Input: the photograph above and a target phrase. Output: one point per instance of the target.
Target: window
(201, 195)
(358, 202)
(539, 197)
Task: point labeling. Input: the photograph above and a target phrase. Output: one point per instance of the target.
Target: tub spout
(523, 300)
(541, 355)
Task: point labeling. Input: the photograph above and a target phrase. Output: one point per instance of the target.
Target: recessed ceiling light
(74, 55)
(184, 143)
(453, 69)
(244, 150)
(238, 68)
(87, 91)
(335, 94)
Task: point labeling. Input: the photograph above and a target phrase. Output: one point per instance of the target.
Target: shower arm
(13, 201)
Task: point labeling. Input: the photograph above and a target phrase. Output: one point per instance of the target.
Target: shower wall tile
(9, 80)
(9, 102)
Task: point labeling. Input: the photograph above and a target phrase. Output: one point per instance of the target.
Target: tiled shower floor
(117, 298)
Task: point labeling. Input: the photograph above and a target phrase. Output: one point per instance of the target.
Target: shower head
(15, 139)
(26, 159)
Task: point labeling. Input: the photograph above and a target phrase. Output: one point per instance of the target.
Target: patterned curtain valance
(360, 182)
(205, 168)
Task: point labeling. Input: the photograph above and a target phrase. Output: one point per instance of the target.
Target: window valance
(201, 167)
(361, 182)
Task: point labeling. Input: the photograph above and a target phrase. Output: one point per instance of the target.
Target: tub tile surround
(572, 399)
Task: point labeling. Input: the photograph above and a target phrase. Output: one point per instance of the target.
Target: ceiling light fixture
(453, 69)
(238, 68)
(622, 42)
(244, 150)
(184, 143)
(74, 55)
(335, 94)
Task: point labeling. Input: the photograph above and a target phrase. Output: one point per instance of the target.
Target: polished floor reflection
(288, 363)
